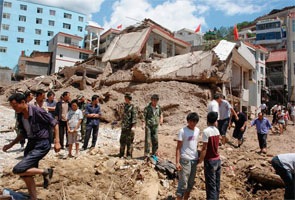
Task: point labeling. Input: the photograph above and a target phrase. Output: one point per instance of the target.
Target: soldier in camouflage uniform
(153, 117)
(82, 105)
(129, 120)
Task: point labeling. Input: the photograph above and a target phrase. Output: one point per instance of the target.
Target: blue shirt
(92, 110)
(52, 104)
(39, 121)
(262, 126)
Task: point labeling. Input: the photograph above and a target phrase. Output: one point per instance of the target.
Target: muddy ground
(97, 174)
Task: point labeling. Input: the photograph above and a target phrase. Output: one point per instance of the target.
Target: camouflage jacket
(129, 116)
(152, 117)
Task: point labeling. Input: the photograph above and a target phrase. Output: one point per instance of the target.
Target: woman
(281, 120)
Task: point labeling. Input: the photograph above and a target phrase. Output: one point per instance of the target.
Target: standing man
(225, 111)
(51, 103)
(34, 124)
(82, 106)
(92, 112)
(153, 116)
(284, 164)
(61, 112)
(30, 97)
(293, 113)
(40, 98)
(213, 106)
(262, 127)
(129, 120)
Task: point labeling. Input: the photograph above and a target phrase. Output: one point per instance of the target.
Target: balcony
(72, 44)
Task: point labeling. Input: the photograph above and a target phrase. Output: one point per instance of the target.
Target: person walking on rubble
(153, 116)
(34, 124)
(187, 156)
(262, 127)
(129, 120)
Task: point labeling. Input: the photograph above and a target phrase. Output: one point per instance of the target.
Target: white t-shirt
(189, 140)
(293, 110)
(74, 117)
(224, 110)
(213, 106)
(263, 106)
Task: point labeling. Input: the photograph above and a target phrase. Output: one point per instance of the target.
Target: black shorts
(223, 125)
(34, 152)
(238, 134)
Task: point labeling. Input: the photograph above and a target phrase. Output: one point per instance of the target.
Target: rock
(165, 183)
(118, 195)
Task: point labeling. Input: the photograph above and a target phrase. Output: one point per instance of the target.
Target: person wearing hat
(129, 120)
(152, 118)
(82, 106)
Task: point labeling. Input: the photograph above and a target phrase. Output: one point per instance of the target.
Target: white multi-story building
(67, 51)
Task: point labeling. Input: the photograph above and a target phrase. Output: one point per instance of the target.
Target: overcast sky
(173, 14)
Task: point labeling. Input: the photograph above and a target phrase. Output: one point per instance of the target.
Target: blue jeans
(186, 176)
(212, 176)
(286, 176)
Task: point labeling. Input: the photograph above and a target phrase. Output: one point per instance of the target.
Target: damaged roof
(224, 49)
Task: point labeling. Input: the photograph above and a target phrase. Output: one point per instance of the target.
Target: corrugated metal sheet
(224, 49)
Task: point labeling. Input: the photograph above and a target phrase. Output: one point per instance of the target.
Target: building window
(6, 15)
(294, 46)
(262, 70)
(39, 10)
(4, 38)
(3, 49)
(81, 19)
(7, 4)
(22, 18)
(261, 57)
(37, 42)
(67, 16)
(20, 40)
(66, 26)
(83, 56)
(51, 23)
(52, 12)
(21, 29)
(47, 43)
(38, 21)
(23, 7)
(60, 55)
(5, 27)
(80, 29)
(68, 40)
(38, 31)
(50, 33)
(293, 25)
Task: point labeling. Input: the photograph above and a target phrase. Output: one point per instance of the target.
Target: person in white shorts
(74, 119)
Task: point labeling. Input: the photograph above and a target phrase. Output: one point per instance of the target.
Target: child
(262, 127)
(74, 119)
(187, 156)
(212, 163)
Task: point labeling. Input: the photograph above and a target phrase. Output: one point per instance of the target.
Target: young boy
(212, 163)
(187, 156)
(74, 119)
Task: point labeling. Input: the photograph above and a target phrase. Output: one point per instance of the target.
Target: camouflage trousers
(126, 140)
(83, 128)
(151, 136)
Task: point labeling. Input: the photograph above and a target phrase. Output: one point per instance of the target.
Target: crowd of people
(66, 123)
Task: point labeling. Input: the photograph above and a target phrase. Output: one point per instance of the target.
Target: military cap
(128, 95)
